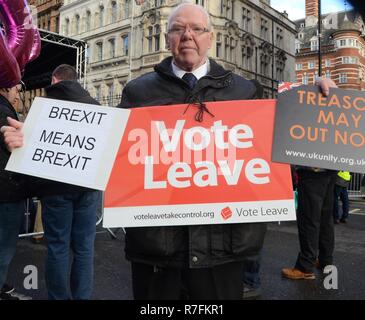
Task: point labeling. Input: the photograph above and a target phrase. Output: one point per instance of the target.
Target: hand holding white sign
(13, 135)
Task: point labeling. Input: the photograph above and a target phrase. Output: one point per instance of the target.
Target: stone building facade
(48, 14)
(343, 48)
(126, 40)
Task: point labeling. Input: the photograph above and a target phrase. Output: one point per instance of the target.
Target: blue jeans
(341, 192)
(69, 225)
(251, 272)
(11, 217)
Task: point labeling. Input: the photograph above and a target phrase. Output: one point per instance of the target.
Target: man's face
(188, 38)
(12, 95)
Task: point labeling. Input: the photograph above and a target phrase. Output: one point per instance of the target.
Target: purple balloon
(17, 20)
(36, 49)
(9, 68)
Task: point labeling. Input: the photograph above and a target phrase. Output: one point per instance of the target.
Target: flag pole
(130, 43)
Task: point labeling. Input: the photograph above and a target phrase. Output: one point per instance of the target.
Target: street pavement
(113, 276)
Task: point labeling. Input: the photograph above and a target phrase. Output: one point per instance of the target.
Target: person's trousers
(223, 282)
(69, 226)
(251, 272)
(341, 192)
(315, 219)
(11, 217)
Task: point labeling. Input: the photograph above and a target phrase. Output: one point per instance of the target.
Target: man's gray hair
(187, 3)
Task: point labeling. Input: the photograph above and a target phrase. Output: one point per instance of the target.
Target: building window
(315, 77)
(343, 78)
(297, 47)
(67, 27)
(219, 46)
(111, 95)
(328, 74)
(200, 2)
(264, 29)
(157, 37)
(328, 63)
(311, 65)
(279, 37)
(77, 24)
(125, 39)
(227, 53)
(232, 44)
(229, 9)
(88, 21)
(99, 51)
(349, 60)
(114, 12)
(351, 42)
(305, 79)
(126, 9)
(112, 48)
(298, 66)
(150, 39)
(342, 43)
(101, 16)
(314, 45)
(97, 93)
(246, 19)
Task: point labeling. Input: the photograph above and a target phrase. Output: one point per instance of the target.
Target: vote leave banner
(172, 170)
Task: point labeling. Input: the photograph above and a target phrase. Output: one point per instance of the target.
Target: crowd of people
(170, 262)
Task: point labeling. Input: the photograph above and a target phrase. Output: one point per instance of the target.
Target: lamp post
(319, 39)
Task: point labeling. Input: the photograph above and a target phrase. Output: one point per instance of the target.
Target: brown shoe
(295, 274)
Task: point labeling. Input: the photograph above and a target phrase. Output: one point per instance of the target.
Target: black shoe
(343, 220)
(7, 296)
(251, 293)
(8, 293)
(7, 288)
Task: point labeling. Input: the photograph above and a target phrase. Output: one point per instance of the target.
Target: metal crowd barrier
(355, 190)
(27, 220)
(29, 230)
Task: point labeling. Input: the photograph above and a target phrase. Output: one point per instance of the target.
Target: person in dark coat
(68, 211)
(197, 261)
(12, 192)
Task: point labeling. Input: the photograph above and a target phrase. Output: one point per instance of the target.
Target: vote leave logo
(226, 213)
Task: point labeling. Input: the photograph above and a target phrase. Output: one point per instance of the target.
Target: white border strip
(194, 214)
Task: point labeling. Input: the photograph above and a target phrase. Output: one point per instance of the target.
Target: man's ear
(55, 80)
(211, 39)
(167, 41)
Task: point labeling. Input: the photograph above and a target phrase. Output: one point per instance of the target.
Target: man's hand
(325, 85)
(13, 135)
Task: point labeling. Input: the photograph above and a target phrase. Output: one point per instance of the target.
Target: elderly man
(197, 262)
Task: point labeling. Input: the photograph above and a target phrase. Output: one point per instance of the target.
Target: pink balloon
(17, 20)
(9, 68)
(36, 49)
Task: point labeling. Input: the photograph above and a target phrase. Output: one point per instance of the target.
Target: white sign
(70, 142)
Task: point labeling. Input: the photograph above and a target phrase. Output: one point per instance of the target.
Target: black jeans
(315, 219)
(222, 282)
